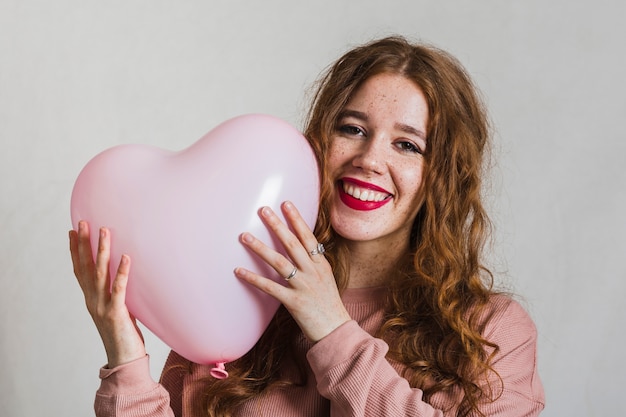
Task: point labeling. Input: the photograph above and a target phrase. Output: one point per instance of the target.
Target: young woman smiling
(395, 313)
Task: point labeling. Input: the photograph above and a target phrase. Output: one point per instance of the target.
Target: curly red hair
(440, 296)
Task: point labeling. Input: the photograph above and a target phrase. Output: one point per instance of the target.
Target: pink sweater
(348, 375)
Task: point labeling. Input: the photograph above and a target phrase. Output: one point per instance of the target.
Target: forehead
(391, 96)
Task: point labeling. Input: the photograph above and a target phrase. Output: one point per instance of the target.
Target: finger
(118, 290)
(301, 230)
(76, 260)
(268, 286)
(103, 258)
(277, 261)
(74, 251)
(85, 254)
(293, 246)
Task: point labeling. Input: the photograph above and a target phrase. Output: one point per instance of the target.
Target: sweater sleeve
(129, 391)
(517, 381)
(352, 372)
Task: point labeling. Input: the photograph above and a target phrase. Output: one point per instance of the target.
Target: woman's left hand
(311, 295)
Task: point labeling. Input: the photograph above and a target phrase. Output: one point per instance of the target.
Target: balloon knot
(219, 372)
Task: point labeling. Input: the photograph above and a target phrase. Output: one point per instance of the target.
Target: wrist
(115, 359)
(115, 362)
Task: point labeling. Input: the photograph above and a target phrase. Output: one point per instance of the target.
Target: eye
(409, 147)
(351, 130)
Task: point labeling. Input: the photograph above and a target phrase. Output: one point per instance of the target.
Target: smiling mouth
(362, 196)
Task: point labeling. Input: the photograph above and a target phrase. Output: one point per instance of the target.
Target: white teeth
(363, 194)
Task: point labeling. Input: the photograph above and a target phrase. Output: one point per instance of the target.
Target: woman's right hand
(106, 303)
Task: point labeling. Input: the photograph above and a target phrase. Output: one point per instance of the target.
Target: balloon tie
(219, 372)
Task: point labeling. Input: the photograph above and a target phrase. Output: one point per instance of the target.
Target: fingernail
(124, 260)
(288, 205)
(246, 237)
(266, 211)
(103, 232)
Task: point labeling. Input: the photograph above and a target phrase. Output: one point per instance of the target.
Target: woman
(397, 316)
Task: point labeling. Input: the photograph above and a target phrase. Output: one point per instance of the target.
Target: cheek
(335, 157)
(412, 180)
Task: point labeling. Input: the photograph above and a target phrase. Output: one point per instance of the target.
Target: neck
(374, 264)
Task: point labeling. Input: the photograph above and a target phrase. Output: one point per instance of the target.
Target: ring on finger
(318, 250)
(292, 274)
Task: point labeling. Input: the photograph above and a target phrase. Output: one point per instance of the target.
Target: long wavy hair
(439, 298)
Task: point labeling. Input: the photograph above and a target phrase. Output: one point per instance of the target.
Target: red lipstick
(355, 203)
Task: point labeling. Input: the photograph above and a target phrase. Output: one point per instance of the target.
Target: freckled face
(376, 161)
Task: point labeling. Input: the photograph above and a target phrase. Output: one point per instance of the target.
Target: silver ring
(318, 250)
(293, 274)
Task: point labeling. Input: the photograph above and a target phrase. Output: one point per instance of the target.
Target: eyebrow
(401, 126)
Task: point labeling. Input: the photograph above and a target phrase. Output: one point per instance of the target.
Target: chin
(351, 230)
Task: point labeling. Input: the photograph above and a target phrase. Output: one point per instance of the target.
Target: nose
(371, 156)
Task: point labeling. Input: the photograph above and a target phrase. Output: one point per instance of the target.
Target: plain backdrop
(80, 76)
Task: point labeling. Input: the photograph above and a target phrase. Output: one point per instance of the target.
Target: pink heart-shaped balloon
(179, 216)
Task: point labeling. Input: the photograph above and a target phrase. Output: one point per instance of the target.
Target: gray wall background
(77, 77)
